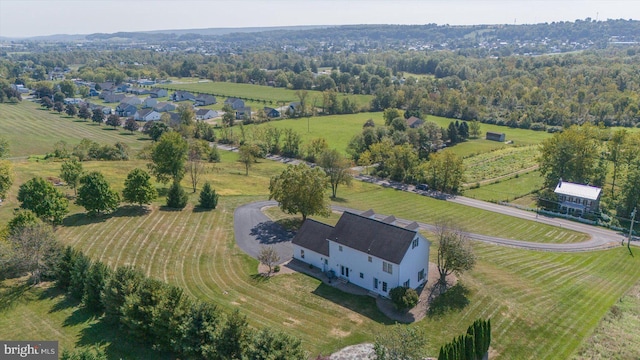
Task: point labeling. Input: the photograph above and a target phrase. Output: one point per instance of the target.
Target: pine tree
(208, 197)
(177, 198)
(97, 278)
(79, 273)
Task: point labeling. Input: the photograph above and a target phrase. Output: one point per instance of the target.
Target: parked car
(423, 187)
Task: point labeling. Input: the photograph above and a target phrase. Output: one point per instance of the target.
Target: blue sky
(20, 18)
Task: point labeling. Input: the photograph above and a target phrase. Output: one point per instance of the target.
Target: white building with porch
(577, 199)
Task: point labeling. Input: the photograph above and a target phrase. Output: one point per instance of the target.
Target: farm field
(274, 96)
(491, 165)
(32, 130)
(507, 189)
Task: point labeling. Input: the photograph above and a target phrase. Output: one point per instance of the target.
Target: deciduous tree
(114, 120)
(70, 172)
(337, 169)
(301, 189)
(246, 156)
(71, 110)
(84, 113)
(97, 116)
(131, 125)
(400, 342)
(34, 250)
(39, 196)
(444, 172)
(268, 256)
(168, 157)
(138, 188)
(95, 194)
(454, 253)
(6, 177)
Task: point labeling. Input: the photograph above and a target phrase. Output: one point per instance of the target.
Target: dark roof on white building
(313, 235)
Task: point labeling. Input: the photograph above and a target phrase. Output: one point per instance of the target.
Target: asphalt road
(253, 229)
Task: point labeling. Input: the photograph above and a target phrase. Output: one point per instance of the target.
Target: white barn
(376, 255)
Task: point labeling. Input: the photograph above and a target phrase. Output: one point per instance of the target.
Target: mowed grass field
(542, 304)
(272, 95)
(32, 130)
(508, 189)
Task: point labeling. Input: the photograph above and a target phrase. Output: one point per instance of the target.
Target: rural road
(253, 229)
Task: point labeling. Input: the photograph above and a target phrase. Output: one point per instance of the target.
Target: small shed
(494, 136)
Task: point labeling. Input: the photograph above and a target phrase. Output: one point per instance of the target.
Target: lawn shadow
(81, 219)
(127, 133)
(80, 315)
(339, 200)
(169, 209)
(144, 139)
(455, 298)
(64, 302)
(199, 209)
(109, 129)
(259, 278)
(116, 343)
(362, 304)
(269, 232)
(12, 295)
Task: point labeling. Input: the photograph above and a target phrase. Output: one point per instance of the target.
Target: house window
(406, 284)
(302, 253)
(339, 247)
(326, 261)
(421, 275)
(361, 276)
(375, 283)
(414, 244)
(387, 267)
(370, 259)
(384, 286)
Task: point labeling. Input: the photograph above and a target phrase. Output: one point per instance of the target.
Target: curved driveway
(253, 229)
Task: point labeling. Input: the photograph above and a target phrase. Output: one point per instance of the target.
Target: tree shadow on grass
(339, 199)
(109, 129)
(454, 299)
(144, 139)
(117, 344)
(362, 304)
(269, 232)
(199, 209)
(259, 278)
(123, 211)
(12, 294)
(170, 209)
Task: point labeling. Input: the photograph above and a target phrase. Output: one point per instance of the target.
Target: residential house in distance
(576, 199)
(235, 103)
(243, 113)
(93, 92)
(204, 114)
(271, 113)
(105, 109)
(137, 91)
(132, 100)
(74, 101)
(149, 102)
(377, 255)
(126, 110)
(204, 100)
(164, 107)
(182, 96)
(294, 108)
(413, 122)
(111, 97)
(146, 115)
(494, 136)
(106, 86)
(156, 93)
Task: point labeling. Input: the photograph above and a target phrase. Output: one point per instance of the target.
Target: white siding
(310, 257)
(415, 260)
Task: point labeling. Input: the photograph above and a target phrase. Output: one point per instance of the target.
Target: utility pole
(633, 217)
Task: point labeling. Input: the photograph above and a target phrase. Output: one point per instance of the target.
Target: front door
(375, 283)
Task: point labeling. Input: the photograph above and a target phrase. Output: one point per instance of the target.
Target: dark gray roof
(385, 241)
(202, 111)
(313, 235)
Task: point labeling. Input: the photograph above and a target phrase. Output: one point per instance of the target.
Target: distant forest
(543, 76)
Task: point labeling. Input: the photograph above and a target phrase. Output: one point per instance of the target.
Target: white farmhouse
(376, 255)
(577, 199)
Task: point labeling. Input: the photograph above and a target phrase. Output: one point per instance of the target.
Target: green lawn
(32, 130)
(272, 95)
(508, 189)
(336, 129)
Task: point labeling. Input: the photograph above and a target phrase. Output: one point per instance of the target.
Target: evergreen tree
(233, 337)
(97, 277)
(124, 282)
(177, 198)
(79, 272)
(208, 197)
